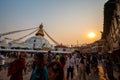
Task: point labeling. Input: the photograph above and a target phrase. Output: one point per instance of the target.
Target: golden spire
(40, 32)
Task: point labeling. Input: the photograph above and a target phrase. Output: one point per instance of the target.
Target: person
(87, 64)
(49, 57)
(82, 68)
(55, 71)
(77, 61)
(15, 71)
(94, 65)
(57, 57)
(70, 66)
(109, 68)
(63, 60)
(2, 61)
(39, 71)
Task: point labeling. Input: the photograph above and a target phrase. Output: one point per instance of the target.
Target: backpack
(82, 60)
(12, 68)
(94, 59)
(15, 66)
(49, 59)
(37, 74)
(62, 60)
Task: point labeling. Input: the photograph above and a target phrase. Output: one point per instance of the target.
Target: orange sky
(67, 21)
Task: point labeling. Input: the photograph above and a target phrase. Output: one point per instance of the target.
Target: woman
(55, 71)
(39, 68)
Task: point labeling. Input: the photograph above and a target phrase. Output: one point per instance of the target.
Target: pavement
(3, 74)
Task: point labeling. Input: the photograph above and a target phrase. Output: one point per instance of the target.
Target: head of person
(55, 71)
(70, 55)
(39, 60)
(49, 52)
(22, 56)
(81, 55)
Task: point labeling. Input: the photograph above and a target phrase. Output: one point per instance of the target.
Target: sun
(91, 35)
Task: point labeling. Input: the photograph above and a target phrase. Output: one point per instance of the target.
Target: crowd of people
(51, 66)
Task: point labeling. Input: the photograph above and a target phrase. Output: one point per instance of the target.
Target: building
(111, 27)
(62, 48)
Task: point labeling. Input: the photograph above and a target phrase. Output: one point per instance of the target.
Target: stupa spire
(40, 31)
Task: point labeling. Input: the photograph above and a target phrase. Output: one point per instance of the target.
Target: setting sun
(91, 35)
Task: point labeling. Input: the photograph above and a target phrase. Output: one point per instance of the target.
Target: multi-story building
(111, 28)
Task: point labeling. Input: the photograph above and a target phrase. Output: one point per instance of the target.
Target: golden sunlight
(91, 35)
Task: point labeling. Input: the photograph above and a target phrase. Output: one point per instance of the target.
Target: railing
(33, 51)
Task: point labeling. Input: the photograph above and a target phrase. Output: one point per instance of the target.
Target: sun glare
(91, 35)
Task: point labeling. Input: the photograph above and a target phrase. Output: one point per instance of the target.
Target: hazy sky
(67, 21)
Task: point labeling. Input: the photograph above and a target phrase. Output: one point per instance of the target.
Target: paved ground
(3, 74)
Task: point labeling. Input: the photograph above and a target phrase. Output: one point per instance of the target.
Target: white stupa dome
(38, 42)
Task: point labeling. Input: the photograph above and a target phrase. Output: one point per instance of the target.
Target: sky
(67, 21)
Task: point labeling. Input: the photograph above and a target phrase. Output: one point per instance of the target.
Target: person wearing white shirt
(70, 66)
(77, 61)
